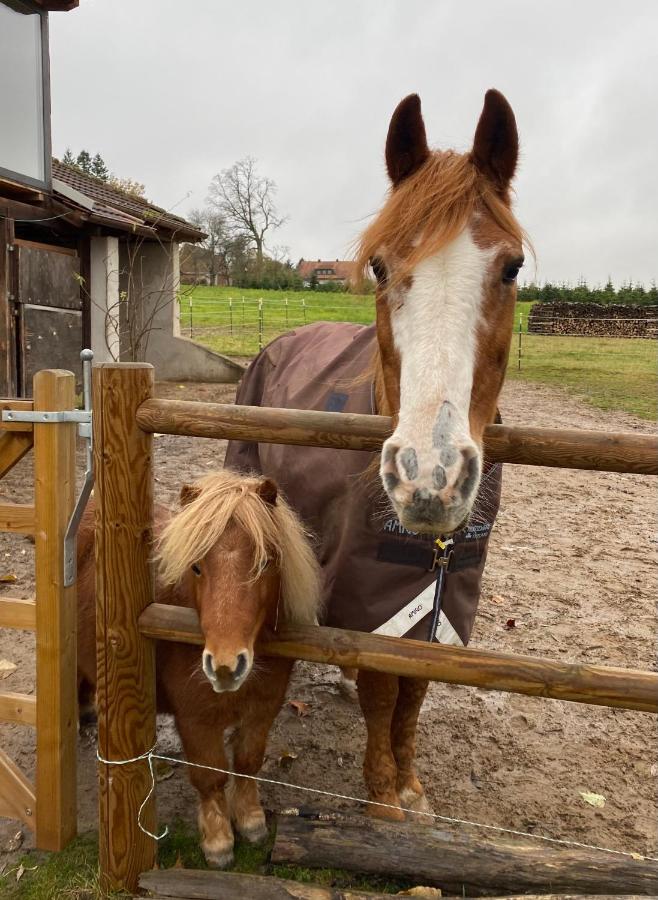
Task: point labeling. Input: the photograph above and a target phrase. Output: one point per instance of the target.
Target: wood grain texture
(17, 517)
(124, 587)
(575, 449)
(17, 798)
(19, 708)
(13, 447)
(22, 406)
(194, 884)
(56, 615)
(456, 858)
(578, 682)
(17, 613)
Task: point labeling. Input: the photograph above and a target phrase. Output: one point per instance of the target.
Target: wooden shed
(81, 263)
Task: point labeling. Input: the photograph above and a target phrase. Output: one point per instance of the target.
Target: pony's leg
(203, 743)
(86, 704)
(262, 704)
(403, 739)
(377, 696)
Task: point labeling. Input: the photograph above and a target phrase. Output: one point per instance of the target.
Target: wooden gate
(47, 807)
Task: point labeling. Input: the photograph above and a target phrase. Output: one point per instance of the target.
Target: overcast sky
(170, 93)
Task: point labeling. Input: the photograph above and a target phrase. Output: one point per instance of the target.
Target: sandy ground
(572, 560)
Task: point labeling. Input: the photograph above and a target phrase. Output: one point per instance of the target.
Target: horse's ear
(406, 142)
(268, 491)
(188, 493)
(496, 143)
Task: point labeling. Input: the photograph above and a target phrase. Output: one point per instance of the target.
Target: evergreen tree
(99, 169)
(68, 159)
(83, 162)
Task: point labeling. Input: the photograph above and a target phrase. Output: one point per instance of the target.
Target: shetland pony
(237, 554)
(446, 250)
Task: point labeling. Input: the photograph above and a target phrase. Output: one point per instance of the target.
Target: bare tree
(245, 199)
(216, 241)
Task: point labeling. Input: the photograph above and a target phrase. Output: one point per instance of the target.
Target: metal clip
(440, 561)
(85, 431)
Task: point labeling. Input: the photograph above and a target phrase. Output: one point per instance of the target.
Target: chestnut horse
(237, 554)
(446, 250)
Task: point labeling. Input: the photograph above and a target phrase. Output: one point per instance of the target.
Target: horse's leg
(377, 696)
(203, 743)
(348, 677)
(403, 739)
(261, 705)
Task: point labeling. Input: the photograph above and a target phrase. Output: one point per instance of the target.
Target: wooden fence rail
(573, 449)
(579, 682)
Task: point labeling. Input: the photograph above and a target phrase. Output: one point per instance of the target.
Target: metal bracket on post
(85, 431)
(83, 419)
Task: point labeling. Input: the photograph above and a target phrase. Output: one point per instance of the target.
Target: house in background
(81, 263)
(337, 271)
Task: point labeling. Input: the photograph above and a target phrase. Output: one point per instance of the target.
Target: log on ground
(459, 859)
(195, 884)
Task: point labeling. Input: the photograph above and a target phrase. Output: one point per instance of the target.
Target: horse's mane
(227, 496)
(431, 208)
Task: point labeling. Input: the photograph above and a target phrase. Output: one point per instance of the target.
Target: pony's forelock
(272, 530)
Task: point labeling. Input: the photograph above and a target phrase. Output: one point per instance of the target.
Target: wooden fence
(47, 807)
(125, 418)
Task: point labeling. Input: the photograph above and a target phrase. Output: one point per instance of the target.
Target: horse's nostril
(241, 666)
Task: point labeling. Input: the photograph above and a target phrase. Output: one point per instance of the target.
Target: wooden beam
(13, 448)
(203, 885)
(466, 861)
(592, 450)
(125, 695)
(17, 798)
(57, 706)
(17, 613)
(19, 708)
(17, 517)
(21, 406)
(578, 682)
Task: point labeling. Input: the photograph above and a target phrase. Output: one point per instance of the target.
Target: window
(24, 101)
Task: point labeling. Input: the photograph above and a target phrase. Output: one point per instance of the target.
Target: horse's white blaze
(430, 465)
(435, 333)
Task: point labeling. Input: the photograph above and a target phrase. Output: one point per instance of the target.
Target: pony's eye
(511, 271)
(196, 569)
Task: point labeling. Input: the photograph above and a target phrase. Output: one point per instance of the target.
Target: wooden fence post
(124, 587)
(56, 617)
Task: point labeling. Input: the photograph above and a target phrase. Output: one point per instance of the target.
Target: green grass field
(609, 373)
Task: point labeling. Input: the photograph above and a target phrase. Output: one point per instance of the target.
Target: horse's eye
(379, 269)
(196, 569)
(511, 271)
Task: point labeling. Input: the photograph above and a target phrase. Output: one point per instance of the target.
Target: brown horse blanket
(378, 576)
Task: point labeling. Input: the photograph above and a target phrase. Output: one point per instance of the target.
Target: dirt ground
(572, 561)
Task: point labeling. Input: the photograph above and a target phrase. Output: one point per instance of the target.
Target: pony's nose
(225, 675)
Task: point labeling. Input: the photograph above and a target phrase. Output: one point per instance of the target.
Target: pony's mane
(227, 496)
(431, 208)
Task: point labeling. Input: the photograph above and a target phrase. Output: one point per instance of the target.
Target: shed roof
(108, 206)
